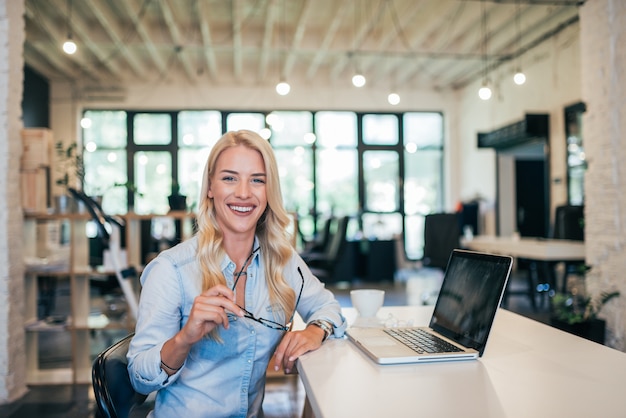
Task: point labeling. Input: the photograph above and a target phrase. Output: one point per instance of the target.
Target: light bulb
(283, 88)
(484, 93)
(69, 47)
(358, 80)
(393, 98)
(519, 78)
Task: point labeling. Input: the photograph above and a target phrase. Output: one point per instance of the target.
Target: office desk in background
(542, 253)
(529, 370)
(540, 249)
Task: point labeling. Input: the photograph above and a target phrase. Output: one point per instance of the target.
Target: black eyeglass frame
(268, 323)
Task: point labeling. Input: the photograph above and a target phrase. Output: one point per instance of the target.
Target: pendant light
(519, 78)
(485, 91)
(282, 88)
(69, 46)
(358, 79)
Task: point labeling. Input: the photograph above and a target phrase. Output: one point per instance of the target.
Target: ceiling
(444, 44)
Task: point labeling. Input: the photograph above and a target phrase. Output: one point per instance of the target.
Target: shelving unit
(57, 248)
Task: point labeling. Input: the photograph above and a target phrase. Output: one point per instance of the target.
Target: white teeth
(241, 208)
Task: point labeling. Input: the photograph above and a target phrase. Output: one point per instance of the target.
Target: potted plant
(70, 169)
(175, 199)
(578, 314)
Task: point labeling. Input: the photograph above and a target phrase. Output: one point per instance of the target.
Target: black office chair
(569, 223)
(115, 396)
(321, 241)
(441, 236)
(327, 266)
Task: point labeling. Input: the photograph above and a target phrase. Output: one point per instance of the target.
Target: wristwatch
(326, 326)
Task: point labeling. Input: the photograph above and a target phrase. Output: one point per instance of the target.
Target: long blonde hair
(271, 228)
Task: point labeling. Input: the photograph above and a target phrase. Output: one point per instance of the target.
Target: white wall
(604, 134)
(12, 337)
(553, 82)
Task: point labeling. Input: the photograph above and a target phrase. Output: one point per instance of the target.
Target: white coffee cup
(367, 302)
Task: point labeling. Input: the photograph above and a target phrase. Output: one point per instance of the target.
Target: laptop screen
(470, 296)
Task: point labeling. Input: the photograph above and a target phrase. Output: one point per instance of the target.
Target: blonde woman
(215, 308)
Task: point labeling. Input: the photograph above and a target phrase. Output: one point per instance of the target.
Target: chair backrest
(322, 239)
(569, 222)
(441, 236)
(115, 396)
(337, 241)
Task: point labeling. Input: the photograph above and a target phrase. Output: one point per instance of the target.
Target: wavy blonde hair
(271, 228)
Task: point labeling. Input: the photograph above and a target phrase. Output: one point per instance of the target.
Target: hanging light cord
(69, 18)
(519, 34)
(484, 40)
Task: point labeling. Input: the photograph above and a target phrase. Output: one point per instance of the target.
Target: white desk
(541, 249)
(528, 370)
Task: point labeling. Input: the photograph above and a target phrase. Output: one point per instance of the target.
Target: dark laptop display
(469, 298)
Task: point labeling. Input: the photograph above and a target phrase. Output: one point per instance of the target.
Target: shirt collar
(255, 259)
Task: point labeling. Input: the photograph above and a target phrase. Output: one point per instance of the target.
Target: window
(423, 175)
(336, 173)
(105, 159)
(384, 169)
(576, 161)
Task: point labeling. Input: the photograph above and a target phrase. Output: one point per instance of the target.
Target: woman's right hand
(209, 311)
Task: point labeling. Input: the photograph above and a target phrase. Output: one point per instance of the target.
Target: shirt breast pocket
(210, 348)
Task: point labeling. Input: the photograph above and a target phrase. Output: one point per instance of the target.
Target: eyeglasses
(267, 322)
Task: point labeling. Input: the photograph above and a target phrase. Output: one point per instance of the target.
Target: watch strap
(326, 326)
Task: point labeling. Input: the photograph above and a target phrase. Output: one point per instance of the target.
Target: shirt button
(249, 361)
(252, 332)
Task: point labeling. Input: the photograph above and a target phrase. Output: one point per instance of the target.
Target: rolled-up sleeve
(317, 302)
(159, 320)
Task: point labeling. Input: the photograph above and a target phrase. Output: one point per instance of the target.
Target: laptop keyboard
(421, 341)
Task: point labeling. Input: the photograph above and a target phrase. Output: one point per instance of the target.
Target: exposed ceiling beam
(333, 26)
(207, 43)
(179, 43)
(271, 16)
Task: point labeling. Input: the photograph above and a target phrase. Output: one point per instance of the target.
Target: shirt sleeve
(159, 319)
(316, 301)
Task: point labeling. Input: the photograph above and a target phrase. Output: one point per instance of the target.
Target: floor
(284, 394)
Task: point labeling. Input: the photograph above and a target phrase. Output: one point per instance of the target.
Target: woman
(214, 308)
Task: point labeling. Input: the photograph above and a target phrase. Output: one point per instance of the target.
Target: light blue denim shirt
(217, 379)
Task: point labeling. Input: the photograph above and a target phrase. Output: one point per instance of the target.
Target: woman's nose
(243, 189)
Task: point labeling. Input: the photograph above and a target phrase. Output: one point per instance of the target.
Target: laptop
(470, 294)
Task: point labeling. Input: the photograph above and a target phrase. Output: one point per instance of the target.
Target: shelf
(44, 216)
(51, 377)
(57, 247)
(46, 326)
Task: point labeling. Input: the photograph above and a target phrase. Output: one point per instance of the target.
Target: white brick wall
(12, 347)
(603, 52)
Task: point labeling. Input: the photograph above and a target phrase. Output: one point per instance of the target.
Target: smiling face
(238, 190)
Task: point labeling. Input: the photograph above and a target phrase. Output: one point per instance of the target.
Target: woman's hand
(209, 311)
(296, 343)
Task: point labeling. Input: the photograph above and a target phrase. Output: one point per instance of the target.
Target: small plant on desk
(577, 313)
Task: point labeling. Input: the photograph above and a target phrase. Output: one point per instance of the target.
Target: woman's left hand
(296, 343)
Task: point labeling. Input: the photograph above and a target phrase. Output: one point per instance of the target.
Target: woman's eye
(258, 181)
(228, 178)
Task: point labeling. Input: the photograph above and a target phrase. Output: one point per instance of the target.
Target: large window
(384, 169)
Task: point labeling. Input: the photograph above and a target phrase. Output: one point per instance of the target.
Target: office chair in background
(115, 396)
(441, 236)
(327, 265)
(569, 223)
